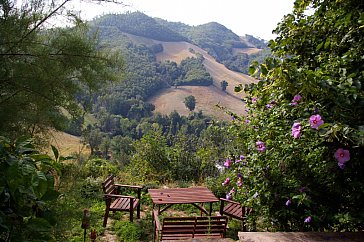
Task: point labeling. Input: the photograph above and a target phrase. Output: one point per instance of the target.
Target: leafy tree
(43, 69)
(94, 137)
(150, 161)
(304, 134)
(224, 85)
(190, 102)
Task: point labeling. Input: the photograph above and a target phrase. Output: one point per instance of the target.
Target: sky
(253, 17)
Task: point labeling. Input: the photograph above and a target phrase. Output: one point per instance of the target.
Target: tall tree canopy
(304, 139)
(42, 68)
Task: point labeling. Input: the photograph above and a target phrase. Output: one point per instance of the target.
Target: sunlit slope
(172, 99)
(67, 145)
(207, 97)
(176, 51)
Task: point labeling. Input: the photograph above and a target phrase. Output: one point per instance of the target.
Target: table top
(182, 195)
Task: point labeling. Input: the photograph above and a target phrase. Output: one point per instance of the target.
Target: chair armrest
(128, 186)
(118, 196)
(229, 201)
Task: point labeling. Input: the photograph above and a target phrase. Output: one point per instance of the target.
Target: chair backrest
(108, 185)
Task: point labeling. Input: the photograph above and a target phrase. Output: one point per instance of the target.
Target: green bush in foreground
(26, 191)
(301, 168)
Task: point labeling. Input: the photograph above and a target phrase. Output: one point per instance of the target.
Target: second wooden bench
(180, 228)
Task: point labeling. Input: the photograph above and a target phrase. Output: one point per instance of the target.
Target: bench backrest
(191, 227)
(213, 225)
(178, 228)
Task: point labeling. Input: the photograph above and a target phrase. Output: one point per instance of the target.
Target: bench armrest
(229, 201)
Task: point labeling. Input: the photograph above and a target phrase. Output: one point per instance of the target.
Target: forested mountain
(220, 42)
(138, 38)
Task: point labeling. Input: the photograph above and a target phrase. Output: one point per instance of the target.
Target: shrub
(127, 231)
(97, 167)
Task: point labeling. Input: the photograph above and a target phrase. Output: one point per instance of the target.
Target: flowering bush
(304, 140)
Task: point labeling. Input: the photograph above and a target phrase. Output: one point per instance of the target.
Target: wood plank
(301, 236)
(182, 195)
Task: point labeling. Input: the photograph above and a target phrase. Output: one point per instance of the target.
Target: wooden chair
(234, 209)
(117, 202)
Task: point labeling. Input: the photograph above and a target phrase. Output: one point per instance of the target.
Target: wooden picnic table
(197, 196)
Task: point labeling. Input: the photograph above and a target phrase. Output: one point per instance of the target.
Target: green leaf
(327, 44)
(50, 195)
(55, 152)
(28, 169)
(252, 70)
(39, 184)
(39, 224)
(238, 88)
(264, 69)
(319, 46)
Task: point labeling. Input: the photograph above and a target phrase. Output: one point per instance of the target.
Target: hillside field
(171, 99)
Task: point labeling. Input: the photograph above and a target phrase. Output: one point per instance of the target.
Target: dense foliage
(27, 182)
(301, 165)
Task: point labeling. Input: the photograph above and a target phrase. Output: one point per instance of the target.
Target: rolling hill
(148, 43)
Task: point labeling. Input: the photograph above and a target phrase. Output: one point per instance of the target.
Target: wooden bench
(116, 202)
(182, 228)
(234, 209)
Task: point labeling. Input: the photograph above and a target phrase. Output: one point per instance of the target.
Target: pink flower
(227, 163)
(241, 158)
(229, 196)
(296, 130)
(308, 219)
(227, 180)
(296, 98)
(254, 100)
(240, 181)
(232, 190)
(316, 121)
(342, 155)
(260, 146)
(341, 165)
(288, 202)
